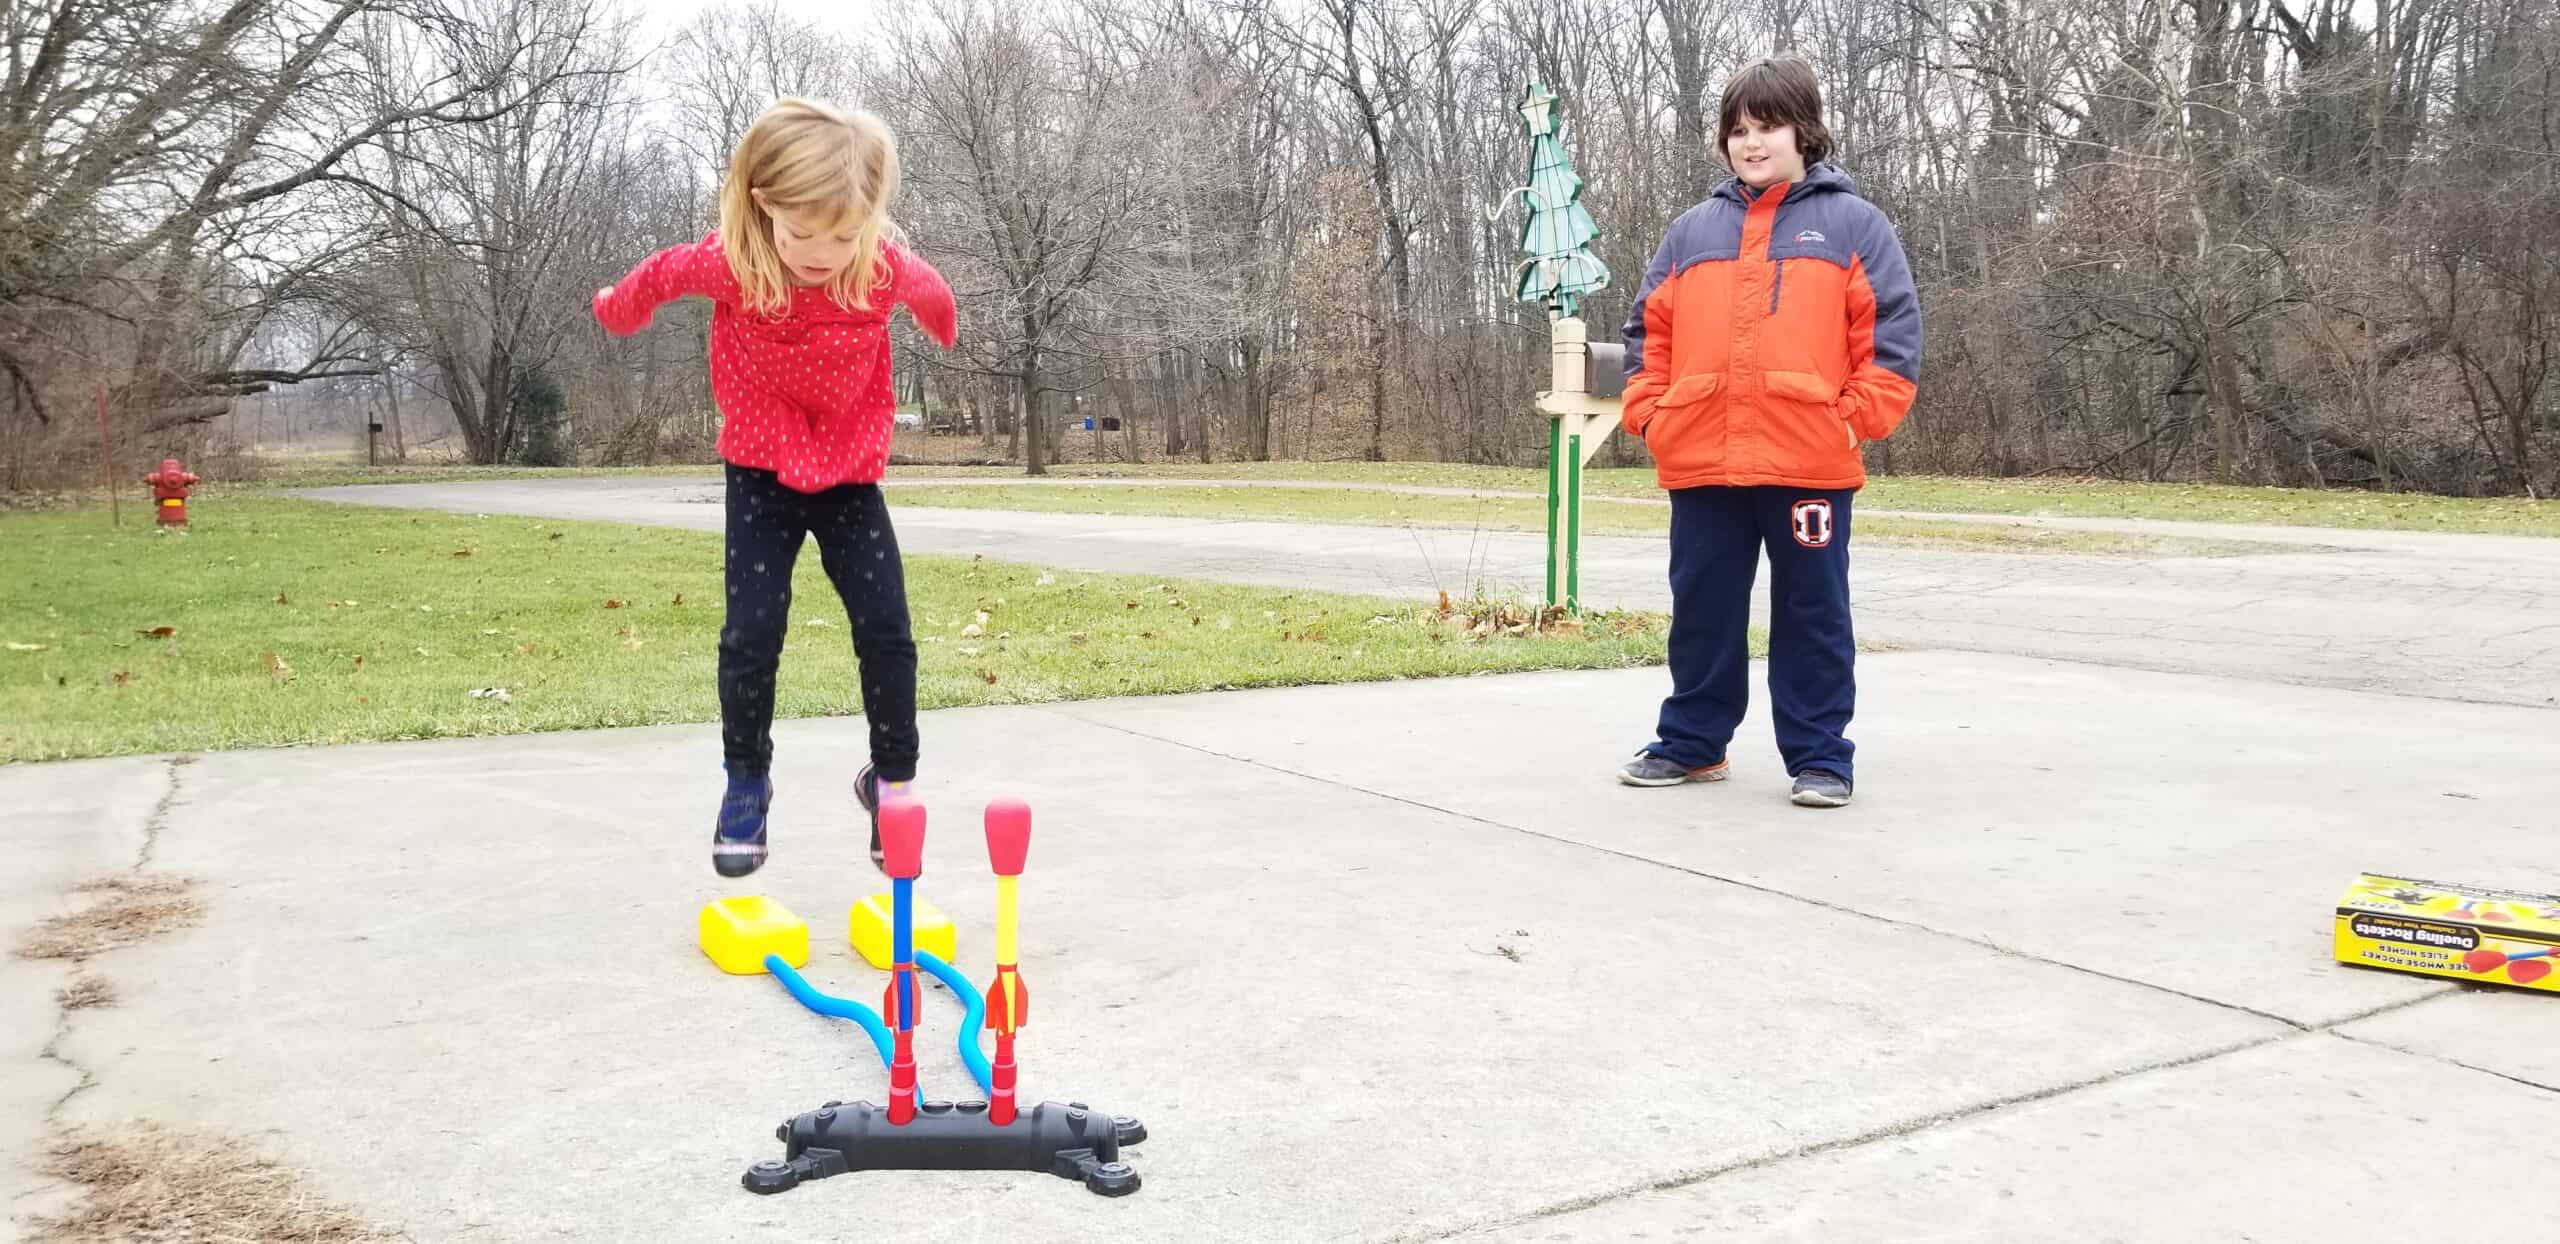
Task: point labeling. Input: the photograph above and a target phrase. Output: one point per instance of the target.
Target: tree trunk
(1124, 397)
(1195, 390)
(1257, 399)
(1377, 451)
(1169, 397)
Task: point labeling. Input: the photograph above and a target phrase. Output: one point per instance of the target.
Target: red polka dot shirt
(805, 395)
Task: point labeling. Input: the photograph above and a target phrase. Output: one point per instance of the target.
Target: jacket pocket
(1683, 431)
(1805, 429)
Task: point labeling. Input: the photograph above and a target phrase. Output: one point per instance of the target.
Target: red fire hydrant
(169, 487)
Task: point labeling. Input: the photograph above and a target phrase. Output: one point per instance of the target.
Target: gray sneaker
(1817, 788)
(1648, 769)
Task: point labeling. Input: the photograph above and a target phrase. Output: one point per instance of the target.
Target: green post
(1555, 465)
(1573, 529)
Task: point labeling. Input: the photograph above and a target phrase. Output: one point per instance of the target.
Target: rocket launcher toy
(1008, 1005)
(1070, 1140)
(902, 839)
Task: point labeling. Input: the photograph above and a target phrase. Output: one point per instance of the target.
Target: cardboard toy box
(2493, 937)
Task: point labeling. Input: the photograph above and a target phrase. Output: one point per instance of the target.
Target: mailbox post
(1556, 270)
(1588, 378)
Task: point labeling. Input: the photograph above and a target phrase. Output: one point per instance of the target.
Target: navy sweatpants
(859, 549)
(1717, 535)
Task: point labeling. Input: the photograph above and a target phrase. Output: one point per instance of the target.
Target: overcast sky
(850, 16)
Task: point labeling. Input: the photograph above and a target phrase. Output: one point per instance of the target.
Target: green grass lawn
(275, 621)
(1600, 515)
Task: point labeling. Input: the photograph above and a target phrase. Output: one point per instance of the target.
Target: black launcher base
(1070, 1140)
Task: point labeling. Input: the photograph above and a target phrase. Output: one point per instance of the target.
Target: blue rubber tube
(970, 1051)
(827, 1004)
(845, 1008)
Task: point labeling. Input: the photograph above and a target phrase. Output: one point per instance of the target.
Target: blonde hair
(807, 156)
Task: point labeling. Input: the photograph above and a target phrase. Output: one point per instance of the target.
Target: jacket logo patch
(1804, 236)
(1812, 522)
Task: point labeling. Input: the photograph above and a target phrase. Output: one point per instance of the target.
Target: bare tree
(490, 219)
(173, 176)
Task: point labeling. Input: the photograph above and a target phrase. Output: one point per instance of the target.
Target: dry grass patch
(85, 991)
(124, 910)
(148, 1184)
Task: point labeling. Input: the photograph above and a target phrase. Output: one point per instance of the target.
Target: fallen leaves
(630, 638)
(613, 604)
(492, 693)
(278, 672)
(158, 632)
(281, 600)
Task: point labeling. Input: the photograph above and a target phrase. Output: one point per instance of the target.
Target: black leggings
(860, 553)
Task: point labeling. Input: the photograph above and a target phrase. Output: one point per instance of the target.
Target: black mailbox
(1608, 377)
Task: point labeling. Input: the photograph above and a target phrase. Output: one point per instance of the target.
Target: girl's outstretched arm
(928, 298)
(697, 268)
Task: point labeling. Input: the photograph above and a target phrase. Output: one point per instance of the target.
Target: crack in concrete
(159, 816)
(1895, 1130)
(52, 1053)
(2448, 1061)
(153, 823)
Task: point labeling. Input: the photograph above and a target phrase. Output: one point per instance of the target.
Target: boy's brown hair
(1780, 90)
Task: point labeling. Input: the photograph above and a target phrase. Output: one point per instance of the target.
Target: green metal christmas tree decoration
(1557, 267)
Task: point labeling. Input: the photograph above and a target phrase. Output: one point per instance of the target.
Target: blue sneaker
(1820, 788)
(737, 840)
(867, 791)
(1648, 769)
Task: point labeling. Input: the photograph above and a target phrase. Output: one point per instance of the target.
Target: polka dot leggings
(860, 552)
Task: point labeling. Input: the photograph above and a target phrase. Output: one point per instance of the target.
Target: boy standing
(1775, 332)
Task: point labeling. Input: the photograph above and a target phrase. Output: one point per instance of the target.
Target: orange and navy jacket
(1773, 334)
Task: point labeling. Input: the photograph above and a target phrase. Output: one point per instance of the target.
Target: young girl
(1774, 332)
(802, 283)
